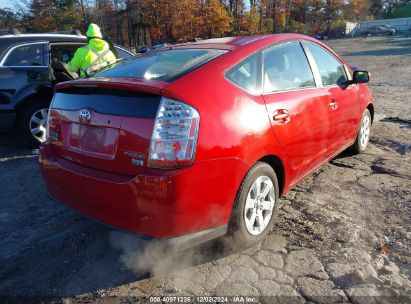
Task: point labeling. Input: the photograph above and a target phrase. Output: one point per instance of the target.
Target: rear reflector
(174, 138)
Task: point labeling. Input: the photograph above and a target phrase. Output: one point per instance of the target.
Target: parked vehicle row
(190, 142)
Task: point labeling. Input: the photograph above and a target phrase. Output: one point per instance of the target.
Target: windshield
(164, 65)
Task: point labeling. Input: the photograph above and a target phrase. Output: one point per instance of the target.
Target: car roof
(234, 43)
(8, 40)
(13, 39)
(246, 45)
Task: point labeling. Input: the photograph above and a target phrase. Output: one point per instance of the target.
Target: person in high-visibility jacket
(94, 56)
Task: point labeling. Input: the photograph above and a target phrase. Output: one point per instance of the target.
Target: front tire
(32, 124)
(255, 206)
(363, 135)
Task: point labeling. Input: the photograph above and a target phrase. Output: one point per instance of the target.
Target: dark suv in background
(30, 65)
(378, 30)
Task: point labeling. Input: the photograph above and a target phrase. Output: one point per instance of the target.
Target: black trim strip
(108, 101)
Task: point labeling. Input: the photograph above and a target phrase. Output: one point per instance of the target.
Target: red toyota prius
(193, 141)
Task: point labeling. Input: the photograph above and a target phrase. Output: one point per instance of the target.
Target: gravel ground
(343, 235)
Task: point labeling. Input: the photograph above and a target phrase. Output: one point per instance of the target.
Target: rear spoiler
(130, 84)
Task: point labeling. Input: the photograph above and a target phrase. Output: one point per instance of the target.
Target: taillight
(48, 126)
(51, 135)
(174, 138)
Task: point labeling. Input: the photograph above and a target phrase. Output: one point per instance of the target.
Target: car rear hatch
(105, 124)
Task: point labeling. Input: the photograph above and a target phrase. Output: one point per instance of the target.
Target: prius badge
(84, 116)
(137, 159)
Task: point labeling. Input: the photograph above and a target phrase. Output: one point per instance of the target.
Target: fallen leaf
(384, 249)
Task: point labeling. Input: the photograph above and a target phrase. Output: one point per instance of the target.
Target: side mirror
(360, 77)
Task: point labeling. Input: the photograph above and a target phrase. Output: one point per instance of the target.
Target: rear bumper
(7, 120)
(192, 203)
(179, 242)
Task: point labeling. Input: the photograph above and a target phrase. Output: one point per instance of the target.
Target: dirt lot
(325, 246)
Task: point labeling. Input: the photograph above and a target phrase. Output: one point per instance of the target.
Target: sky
(8, 3)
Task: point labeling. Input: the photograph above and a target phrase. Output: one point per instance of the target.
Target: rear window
(108, 101)
(165, 65)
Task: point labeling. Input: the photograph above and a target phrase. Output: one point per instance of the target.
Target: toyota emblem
(85, 116)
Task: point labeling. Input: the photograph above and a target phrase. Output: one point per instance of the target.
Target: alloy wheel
(38, 123)
(365, 131)
(259, 205)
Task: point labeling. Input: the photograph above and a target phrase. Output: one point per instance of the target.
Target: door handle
(281, 116)
(333, 105)
(34, 75)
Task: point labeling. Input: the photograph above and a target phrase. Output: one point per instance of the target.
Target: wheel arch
(370, 108)
(278, 166)
(27, 100)
(32, 93)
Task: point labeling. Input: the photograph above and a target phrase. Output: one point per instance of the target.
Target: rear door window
(331, 70)
(166, 65)
(26, 55)
(285, 67)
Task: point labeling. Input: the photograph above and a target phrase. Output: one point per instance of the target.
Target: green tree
(68, 14)
(376, 8)
(53, 15)
(8, 19)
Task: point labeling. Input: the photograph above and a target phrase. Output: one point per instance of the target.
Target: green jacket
(94, 55)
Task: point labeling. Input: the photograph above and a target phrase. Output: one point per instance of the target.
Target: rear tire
(32, 124)
(363, 135)
(255, 206)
